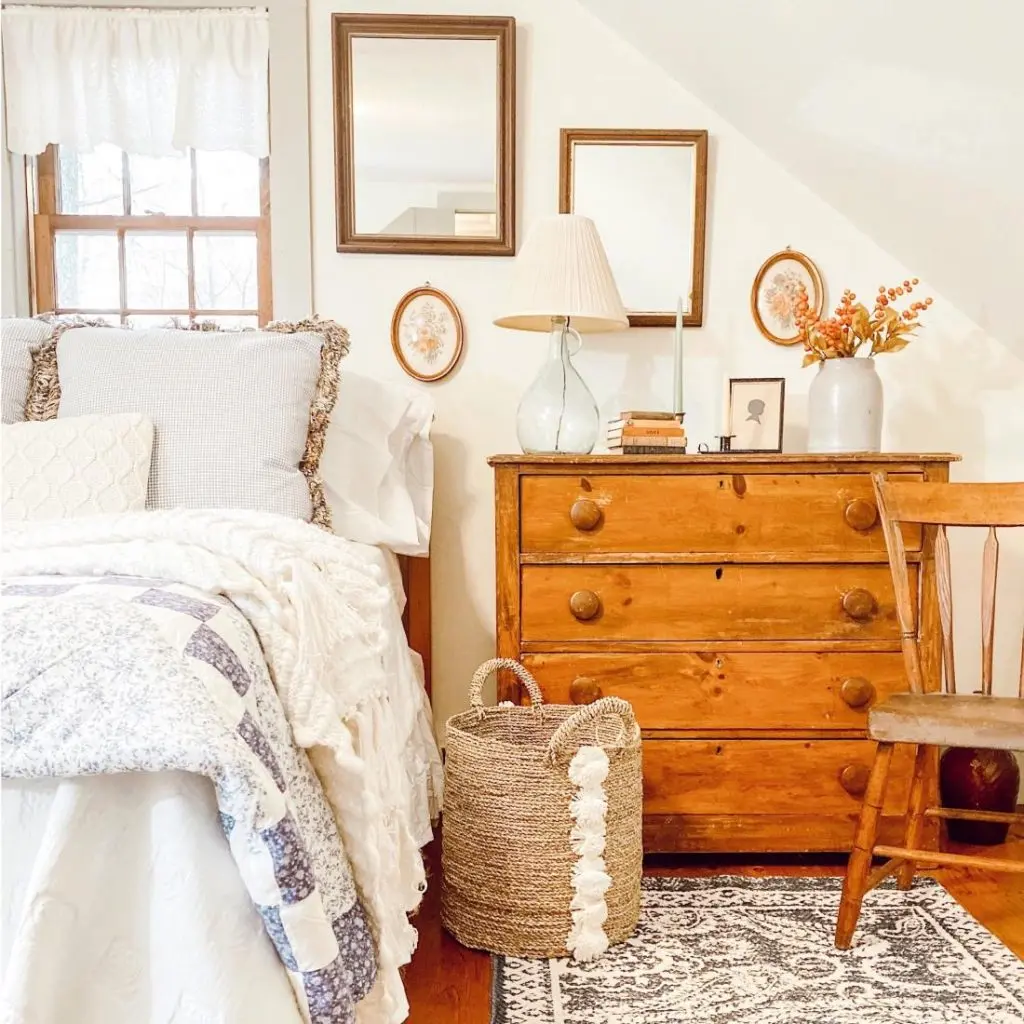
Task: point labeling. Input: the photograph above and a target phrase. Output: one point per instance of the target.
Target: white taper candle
(677, 395)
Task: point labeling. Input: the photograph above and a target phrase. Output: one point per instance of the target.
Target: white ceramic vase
(844, 407)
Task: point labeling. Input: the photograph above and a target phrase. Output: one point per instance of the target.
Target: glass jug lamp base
(558, 413)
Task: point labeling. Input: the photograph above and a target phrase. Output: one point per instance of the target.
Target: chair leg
(915, 815)
(859, 864)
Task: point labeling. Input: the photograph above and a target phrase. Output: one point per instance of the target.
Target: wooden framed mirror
(646, 190)
(425, 134)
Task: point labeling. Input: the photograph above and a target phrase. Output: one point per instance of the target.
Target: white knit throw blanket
(316, 607)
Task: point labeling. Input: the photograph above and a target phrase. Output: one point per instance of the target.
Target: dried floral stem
(841, 336)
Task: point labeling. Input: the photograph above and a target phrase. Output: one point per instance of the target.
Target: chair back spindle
(944, 581)
(989, 572)
(901, 585)
(1021, 689)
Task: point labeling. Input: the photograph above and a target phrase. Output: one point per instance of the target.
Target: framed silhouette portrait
(756, 408)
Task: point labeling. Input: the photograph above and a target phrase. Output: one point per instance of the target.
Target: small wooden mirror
(647, 193)
(425, 134)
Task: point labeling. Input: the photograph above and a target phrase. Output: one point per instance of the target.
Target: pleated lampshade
(562, 270)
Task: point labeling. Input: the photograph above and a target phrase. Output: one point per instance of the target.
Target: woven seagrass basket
(507, 858)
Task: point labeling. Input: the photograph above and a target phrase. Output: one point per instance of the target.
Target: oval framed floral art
(427, 333)
(773, 299)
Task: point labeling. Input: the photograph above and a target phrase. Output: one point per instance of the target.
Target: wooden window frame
(48, 220)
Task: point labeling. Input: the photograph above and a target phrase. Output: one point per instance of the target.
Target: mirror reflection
(425, 155)
(641, 198)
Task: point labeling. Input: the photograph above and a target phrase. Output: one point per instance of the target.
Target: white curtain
(152, 82)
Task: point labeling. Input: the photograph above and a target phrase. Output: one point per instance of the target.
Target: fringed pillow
(240, 417)
(20, 341)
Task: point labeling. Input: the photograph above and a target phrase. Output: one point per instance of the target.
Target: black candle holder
(724, 444)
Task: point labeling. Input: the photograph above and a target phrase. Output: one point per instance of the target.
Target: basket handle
(605, 706)
(481, 674)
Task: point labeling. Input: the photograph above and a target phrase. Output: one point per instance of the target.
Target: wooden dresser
(742, 604)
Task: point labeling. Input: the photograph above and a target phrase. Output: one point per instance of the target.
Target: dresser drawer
(742, 514)
(727, 691)
(762, 777)
(709, 602)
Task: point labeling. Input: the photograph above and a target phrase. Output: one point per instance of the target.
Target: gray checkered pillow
(231, 411)
(18, 340)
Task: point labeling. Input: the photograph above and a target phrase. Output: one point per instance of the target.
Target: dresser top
(722, 458)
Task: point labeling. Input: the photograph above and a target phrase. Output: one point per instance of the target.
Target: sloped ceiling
(907, 116)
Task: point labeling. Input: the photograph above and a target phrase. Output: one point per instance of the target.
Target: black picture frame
(773, 396)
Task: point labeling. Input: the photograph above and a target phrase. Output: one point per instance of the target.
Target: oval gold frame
(815, 275)
(396, 320)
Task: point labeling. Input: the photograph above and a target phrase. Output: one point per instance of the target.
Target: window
(144, 240)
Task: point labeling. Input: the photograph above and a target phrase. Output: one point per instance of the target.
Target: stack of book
(647, 433)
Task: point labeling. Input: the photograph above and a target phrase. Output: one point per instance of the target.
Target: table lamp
(562, 283)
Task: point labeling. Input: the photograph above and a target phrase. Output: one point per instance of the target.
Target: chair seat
(949, 720)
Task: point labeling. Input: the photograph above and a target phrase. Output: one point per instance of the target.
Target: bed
(219, 766)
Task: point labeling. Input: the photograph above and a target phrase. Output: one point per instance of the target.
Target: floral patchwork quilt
(120, 673)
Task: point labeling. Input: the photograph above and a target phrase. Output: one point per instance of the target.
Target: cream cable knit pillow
(81, 466)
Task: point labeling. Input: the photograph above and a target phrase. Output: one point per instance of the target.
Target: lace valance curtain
(152, 82)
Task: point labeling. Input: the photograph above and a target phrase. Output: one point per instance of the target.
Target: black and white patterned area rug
(728, 950)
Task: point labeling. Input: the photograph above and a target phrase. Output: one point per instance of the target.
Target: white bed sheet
(96, 874)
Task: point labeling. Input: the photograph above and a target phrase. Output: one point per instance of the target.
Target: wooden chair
(931, 720)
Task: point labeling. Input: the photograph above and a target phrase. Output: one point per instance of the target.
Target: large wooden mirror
(647, 193)
(425, 134)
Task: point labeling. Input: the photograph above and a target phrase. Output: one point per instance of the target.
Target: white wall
(904, 116)
(955, 389)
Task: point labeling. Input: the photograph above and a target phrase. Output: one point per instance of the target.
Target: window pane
(228, 184)
(143, 321)
(91, 182)
(161, 184)
(225, 266)
(228, 323)
(87, 271)
(157, 268)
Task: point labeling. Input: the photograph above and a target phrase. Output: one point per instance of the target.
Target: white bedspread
(128, 930)
(323, 614)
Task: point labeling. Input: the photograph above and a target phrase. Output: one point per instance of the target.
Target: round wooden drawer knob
(585, 514)
(584, 690)
(860, 604)
(861, 514)
(854, 779)
(857, 691)
(584, 604)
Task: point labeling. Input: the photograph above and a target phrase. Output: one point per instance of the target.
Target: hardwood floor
(448, 984)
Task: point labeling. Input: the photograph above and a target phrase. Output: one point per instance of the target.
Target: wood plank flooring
(448, 984)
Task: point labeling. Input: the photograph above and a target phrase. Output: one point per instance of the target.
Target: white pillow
(80, 466)
(378, 465)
